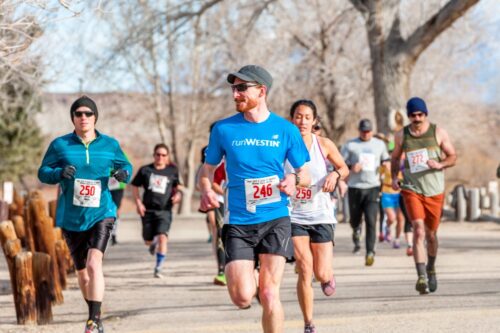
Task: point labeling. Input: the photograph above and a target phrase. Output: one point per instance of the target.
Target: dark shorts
(80, 242)
(246, 242)
(319, 233)
(117, 196)
(156, 222)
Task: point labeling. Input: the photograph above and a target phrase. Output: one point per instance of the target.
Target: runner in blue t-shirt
(82, 163)
(255, 144)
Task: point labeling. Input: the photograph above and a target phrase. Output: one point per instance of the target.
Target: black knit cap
(84, 101)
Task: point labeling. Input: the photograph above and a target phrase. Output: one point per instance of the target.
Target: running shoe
(432, 280)
(220, 280)
(409, 251)
(421, 285)
(309, 328)
(356, 238)
(93, 327)
(157, 273)
(152, 249)
(209, 240)
(387, 236)
(395, 244)
(369, 259)
(381, 237)
(329, 287)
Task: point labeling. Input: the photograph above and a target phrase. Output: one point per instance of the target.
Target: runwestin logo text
(256, 142)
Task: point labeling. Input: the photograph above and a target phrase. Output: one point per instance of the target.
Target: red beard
(246, 104)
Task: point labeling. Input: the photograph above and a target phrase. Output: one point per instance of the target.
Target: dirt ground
(369, 299)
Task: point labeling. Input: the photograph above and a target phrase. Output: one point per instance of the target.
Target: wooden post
(494, 204)
(45, 242)
(18, 222)
(11, 248)
(53, 210)
(25, 289)
(42, 276)
(4, 210)
(19, 201)
(461, 208)
(473, 210)
(29, 219)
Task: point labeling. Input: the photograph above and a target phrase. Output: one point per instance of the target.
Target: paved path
(369, 299)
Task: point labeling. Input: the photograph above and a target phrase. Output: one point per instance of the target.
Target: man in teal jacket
(81, 163)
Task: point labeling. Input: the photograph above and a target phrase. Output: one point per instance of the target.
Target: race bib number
(113, 184)
(303, 198)
(367, 162)
(158, 184)
(87, 193)
(417, 160)
(260, 191)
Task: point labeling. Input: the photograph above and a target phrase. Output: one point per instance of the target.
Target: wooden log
(53, 210)
(42, 276)
(61, 263)
(44, 242)
(18, 222)
(19, 203)
(4, 210)
(461, 204)
(25, 289)
(494, 204)
(473, 210)
(11, 248)
(28, 227)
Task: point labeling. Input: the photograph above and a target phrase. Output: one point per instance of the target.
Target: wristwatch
(297, 179)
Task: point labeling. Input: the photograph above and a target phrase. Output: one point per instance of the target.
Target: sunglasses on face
(80, 114)
(316, 128)
(417, 114)
(242, 86)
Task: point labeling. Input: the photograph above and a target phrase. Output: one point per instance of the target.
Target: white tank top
(311, 205)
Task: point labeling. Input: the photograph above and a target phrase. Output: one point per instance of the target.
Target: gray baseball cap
(252, 73)
(365, 125)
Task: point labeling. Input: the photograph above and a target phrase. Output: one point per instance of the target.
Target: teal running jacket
(84, 200)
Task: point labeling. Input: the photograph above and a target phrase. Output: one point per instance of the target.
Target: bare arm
(396, 159)
(141, 210)
(448, 150)
(208, 196)
(341, 170)
(288, 184)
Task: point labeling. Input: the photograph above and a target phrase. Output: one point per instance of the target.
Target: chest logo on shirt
(274, 142)
(158, 184)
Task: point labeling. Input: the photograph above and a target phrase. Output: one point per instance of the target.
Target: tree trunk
(25, 289)
(391, 88)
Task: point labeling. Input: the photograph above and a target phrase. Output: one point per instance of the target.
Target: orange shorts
(420, 207)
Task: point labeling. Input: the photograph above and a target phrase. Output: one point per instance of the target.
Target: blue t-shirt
(255, 155)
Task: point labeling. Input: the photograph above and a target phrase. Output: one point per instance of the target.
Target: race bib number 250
(87, 193)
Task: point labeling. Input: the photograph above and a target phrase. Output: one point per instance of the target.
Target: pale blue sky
(70, 45)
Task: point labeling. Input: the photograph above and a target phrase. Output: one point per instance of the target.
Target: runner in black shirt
(160, 181)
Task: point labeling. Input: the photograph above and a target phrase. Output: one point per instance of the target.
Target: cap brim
(231, 77)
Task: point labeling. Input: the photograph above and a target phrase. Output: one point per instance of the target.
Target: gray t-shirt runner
(370, 154)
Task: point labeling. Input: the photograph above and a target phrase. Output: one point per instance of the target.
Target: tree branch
(423, 36)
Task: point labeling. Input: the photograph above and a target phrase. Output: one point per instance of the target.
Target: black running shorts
(246, 242)
(319, 233)
(80, 242)
(156, 222)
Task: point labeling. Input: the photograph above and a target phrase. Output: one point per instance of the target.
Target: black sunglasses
(242, 86)
(87, 114)
(316, 127)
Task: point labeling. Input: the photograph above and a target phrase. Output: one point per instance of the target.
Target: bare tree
(393, 57)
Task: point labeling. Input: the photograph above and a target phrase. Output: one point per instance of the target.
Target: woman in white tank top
(312, 213)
